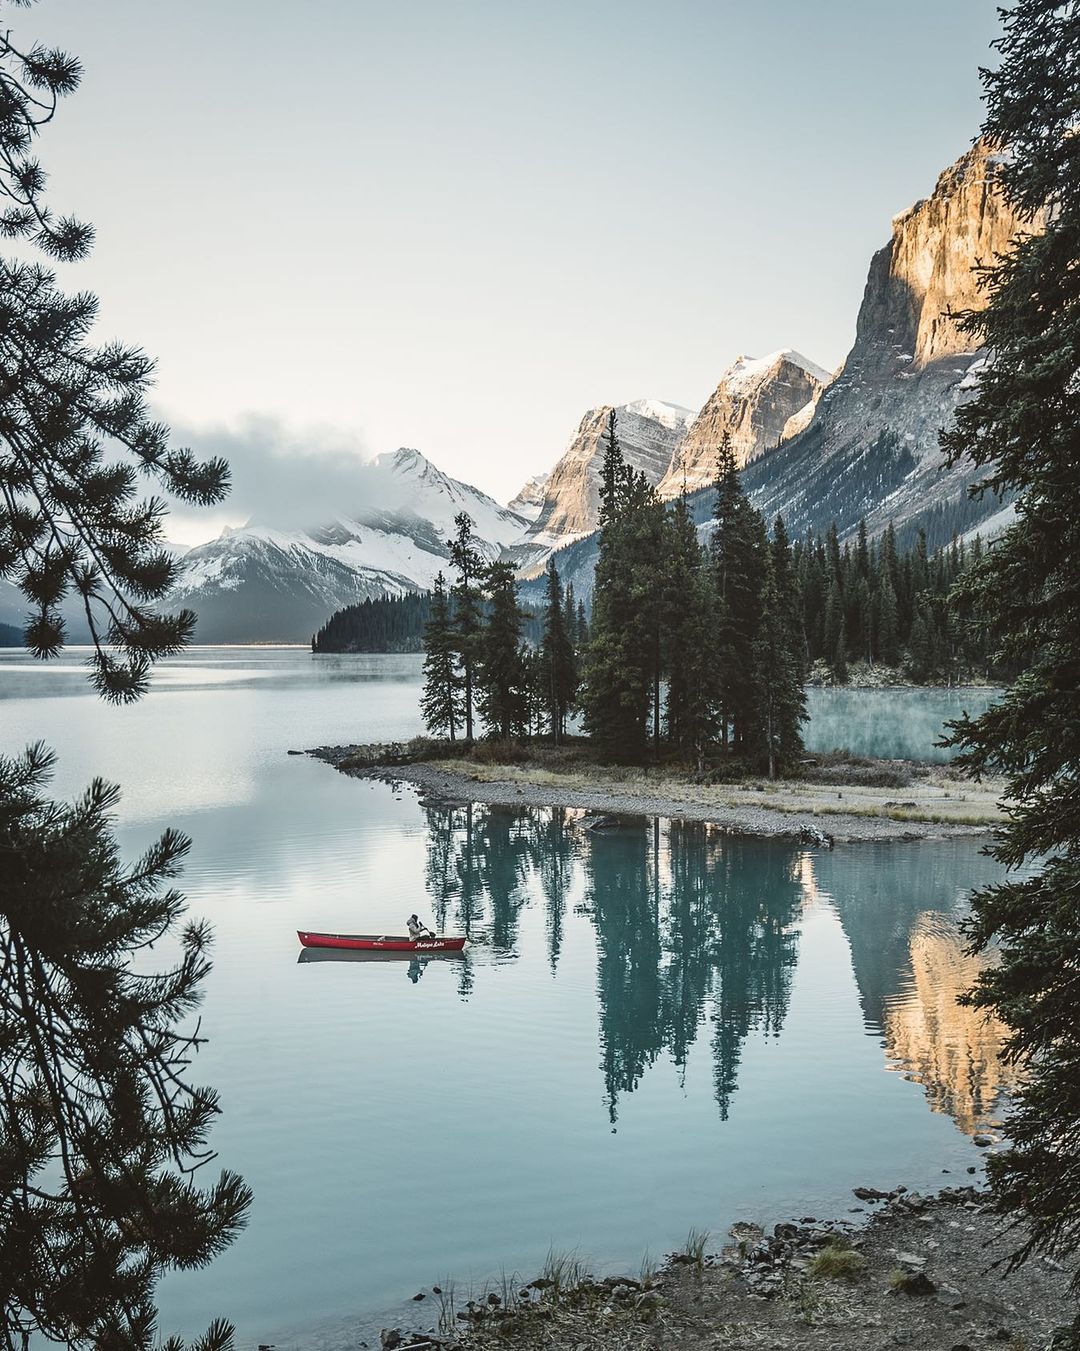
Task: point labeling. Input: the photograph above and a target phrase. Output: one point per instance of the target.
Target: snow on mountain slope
(528, 501)
(649, 430)
(262, 584)
(751, 406)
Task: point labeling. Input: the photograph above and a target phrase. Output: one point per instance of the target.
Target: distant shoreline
(936, 805)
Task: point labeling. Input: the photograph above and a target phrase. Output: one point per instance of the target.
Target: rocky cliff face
(528, 501)
(871, 448)
(650, 432)
(753, 405)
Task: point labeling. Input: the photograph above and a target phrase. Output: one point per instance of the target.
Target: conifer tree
(558, 663)
(687, 609)
(468, 620)
(75, 430)
(100, 1132)
(737, 546)
(888, 632)
(441, 699)
(834, 635)
(582, 627)
(786, 581)
(781, 703)
(99, 1127)
(613, 473)
(618, 666)
(502, 677)
(1021, 432)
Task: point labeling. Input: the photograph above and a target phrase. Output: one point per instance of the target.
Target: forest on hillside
(693, 649)
(872, 601)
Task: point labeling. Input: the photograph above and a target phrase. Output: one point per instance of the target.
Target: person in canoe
(418, 930)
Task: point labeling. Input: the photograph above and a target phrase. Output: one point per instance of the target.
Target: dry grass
(837, 1262)
(933, 799)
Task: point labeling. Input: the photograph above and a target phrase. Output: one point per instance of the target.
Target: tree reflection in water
(697, 929)
(692, 926)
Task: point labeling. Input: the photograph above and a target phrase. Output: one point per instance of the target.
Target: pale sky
(343, 226)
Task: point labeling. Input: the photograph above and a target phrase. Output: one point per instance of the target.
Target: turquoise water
(654, 1027)
(901, 724)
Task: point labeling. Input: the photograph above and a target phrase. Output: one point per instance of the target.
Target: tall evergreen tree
(613, 473)
(687, 611)
(781, 703)
(558, 663)
(502, 676)
(441, 699)
(618, 667)
(582, 627)
(468, 619)
(737, 546)
(1021, 432)
(785, 577)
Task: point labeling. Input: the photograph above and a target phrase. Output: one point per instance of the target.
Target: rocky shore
(913, 802)
(926, 1272)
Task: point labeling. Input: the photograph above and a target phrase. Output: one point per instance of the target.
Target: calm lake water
(655, 1027)
(901, 724)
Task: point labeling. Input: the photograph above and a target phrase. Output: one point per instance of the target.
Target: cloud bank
(283, 476)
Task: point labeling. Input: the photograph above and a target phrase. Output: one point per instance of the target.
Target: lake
(896, 724)
(653, 1027)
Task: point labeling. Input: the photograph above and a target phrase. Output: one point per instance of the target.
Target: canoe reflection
(347, 955)
(415, 966)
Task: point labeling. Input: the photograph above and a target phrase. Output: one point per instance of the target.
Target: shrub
(837, 1262)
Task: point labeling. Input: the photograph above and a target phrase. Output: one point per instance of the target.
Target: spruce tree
(502, 675)
(839, 657)
(781, 703)
(1020, 430)
(834, 634)
(687, 610)
(468, 620)
(441, 699)
(582, 627)
(888, 630)
(618, 663)
(737, 548)
(788, 592)
(558, 663)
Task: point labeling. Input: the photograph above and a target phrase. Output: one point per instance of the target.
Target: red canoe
(379, 942)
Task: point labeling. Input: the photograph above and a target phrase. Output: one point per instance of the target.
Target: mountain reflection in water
(697, 937)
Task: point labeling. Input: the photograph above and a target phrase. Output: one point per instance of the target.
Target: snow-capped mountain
(650, 432)
(757, 404)
(871, 448)
(868, 447)
(261, 584)
(528, 501)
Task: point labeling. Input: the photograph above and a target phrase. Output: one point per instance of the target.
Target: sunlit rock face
(649, 432)
(952, 1050)
(867, 444)
(752, 405)
(872, 446)
(528, 501)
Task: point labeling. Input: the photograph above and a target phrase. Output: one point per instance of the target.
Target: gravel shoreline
(928, 1272)
(809, 813)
